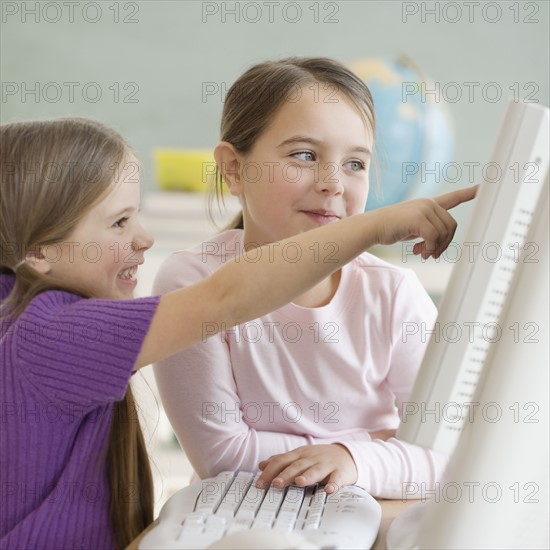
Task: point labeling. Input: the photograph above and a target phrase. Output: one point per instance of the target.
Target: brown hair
(51, 174)
(257, 94)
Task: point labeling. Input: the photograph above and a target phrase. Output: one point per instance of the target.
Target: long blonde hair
(51, 174)
(255, 97)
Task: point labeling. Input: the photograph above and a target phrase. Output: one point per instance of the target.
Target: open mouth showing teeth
(128, 274)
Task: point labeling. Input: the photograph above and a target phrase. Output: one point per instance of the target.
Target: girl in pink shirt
(308, 392)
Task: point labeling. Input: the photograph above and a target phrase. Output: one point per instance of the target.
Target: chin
(122, 294)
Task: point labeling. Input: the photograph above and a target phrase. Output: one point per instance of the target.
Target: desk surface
(390, 509)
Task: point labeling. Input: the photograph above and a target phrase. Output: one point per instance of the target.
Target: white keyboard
(201, 514)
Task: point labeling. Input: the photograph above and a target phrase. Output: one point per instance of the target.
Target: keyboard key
(285, 521)
(264, 518)
(251, 501)
(194, 519)
(293, 500)
(215, 520)
(239, 525)
(190, 529)
(212, 492)
(273, 499)
(215, 524)
(308, 494)
(234, 495)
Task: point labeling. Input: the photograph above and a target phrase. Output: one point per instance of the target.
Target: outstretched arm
(223, 301)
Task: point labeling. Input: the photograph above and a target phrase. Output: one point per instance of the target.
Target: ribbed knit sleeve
(81, 350)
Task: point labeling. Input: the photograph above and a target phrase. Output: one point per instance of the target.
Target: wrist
(371, 228)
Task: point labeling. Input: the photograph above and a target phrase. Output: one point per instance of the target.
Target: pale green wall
(170, 52)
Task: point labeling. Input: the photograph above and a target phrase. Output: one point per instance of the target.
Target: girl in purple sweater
(73, 465)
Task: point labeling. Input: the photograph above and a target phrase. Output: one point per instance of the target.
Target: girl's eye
(304, 155)
(356, 165)
(120, 223)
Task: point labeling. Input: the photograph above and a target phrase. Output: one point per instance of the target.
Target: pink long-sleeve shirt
(302, 375)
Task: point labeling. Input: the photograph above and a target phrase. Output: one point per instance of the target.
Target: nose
(142, 240)
(329, 180)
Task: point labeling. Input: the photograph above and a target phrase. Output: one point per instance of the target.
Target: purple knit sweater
(64, 362)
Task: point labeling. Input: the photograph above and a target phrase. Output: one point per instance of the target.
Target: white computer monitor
(483, 390)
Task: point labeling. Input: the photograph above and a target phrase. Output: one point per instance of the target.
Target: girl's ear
(229, 161)
(38, 260)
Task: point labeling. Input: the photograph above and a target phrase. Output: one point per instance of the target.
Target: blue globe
(413, 132)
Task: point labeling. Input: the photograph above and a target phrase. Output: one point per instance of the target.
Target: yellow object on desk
(184, 169)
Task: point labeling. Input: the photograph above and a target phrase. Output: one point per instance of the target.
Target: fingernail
(278, 481)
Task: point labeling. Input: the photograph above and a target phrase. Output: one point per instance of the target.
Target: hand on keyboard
(331, 465)
(213, 509)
